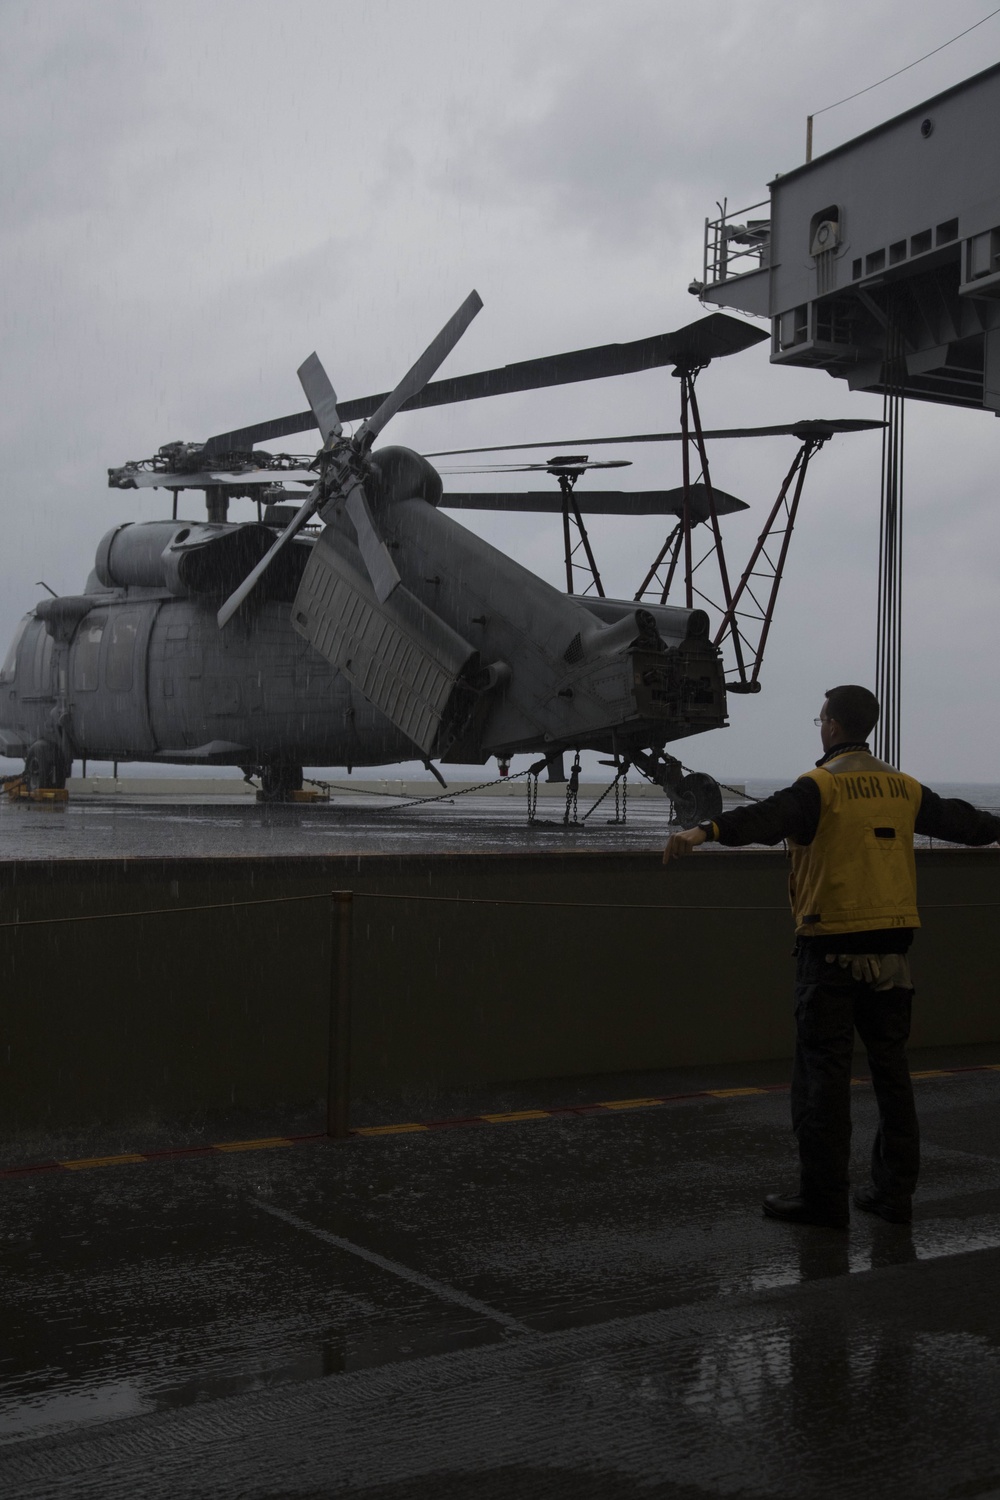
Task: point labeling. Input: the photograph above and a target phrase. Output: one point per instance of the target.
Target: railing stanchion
(338, 1078)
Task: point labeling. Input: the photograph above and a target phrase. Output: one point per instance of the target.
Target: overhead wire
(886, 79)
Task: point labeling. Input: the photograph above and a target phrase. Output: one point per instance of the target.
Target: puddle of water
(71, 1406)
(934, 1238)
(79, 1404)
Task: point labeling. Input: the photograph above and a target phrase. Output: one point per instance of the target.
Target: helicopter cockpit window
(121, 650)
(87, 654)
(9, 669)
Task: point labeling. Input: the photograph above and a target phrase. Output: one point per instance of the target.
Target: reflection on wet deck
(104, 823)
(582, 1305)
(366, 824)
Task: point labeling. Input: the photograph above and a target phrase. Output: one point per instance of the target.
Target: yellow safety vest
(858, 873)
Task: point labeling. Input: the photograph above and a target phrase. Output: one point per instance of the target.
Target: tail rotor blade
(377, 559)
(433, 356)
(250, 582)
(321, 396)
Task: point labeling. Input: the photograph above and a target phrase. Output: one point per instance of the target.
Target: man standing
(849, 825)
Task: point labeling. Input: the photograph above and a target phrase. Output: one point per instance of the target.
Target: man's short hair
(855, 709)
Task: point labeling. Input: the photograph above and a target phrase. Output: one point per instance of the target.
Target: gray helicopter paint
(563, 675)
(108, 679)
(257, 693)
(403, 658)
(259, 686)
(28, 684)
(471, 656)
(544, 672)
(254, 694)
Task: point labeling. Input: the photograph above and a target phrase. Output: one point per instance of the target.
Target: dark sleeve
(954, 820)
(792, 813)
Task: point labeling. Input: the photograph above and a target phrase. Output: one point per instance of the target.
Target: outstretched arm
(683, 843)
(791, 813)
(956, 821)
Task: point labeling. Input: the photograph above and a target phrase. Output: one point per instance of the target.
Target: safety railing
(736, 243)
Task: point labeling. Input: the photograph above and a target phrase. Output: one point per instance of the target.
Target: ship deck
(563, 1301)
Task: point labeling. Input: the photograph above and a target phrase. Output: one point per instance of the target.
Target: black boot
(797, 1210)
(895, 1210)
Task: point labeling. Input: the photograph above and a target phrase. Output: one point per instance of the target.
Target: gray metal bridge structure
(894, 232)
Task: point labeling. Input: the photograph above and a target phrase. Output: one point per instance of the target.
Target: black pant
(829, 1004)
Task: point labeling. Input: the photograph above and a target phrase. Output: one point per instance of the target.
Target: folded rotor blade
(817, 427)
(553, 467)
(151, 479)
(381, 568)
(600, 502)
(321, 396)
(417, 377)
(708, 338)
(250, 582)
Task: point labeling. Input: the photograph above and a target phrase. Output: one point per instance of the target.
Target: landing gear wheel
(44, 767)
(697, 799)
(277, 782)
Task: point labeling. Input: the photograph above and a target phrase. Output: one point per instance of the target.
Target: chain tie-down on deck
(572, 792)
(619, 784)
(532, 793)
(570, 817)
(621, 815)
(446, 796)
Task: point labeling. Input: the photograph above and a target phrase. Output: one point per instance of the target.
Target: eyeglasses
(819, 721)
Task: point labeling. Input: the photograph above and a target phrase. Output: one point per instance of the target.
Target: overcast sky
(197, 193)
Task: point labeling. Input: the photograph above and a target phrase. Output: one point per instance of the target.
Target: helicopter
(361, 625)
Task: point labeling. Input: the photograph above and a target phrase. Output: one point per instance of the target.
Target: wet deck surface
(582, 1306)
(93, 825)
(351, 824)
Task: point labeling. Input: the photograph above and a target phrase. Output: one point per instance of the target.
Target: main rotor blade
(321, 396)
(817, 427)
(381, 568)
(708, 338)
(600, 502)
(250, 582)
(555, 469)
(419, 374)
(150, 479)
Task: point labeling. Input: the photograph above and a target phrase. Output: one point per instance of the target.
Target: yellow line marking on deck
(261, 1145)
(516, 1114)
(732, 1093)
(628, 1103)
(82, 1162)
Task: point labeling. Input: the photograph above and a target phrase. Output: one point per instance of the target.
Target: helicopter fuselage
(147, 678)
(136, 668)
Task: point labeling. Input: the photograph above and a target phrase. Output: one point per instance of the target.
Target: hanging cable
(913, 64)
(878, 84)
(889, 626)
